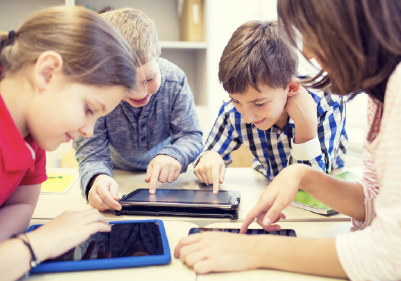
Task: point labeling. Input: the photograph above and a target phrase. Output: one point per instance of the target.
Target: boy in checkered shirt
(269, 111)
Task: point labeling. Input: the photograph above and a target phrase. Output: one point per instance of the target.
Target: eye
(88, 110)
(149, 80)
(235, 101)
(259, 104)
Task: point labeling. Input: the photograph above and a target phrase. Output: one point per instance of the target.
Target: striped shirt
(274, 148)
(375, 252)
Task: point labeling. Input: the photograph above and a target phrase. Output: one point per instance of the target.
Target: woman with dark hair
(358, 44)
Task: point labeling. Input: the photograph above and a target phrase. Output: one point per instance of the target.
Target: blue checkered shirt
(272, 147)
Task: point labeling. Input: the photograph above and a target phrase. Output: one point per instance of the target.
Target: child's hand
(276, 197)
(302, 109)
(66, 231)
(219, 252)
(163, 168)
(103, 194)
(211, 170)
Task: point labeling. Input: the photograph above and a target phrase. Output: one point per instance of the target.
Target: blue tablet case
(109, 263)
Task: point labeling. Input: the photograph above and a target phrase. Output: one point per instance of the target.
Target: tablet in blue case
(129, 244)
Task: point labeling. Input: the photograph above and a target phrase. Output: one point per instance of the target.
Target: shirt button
(143, 138)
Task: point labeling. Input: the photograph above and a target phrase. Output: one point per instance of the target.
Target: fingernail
(152, 191)
(267, 221)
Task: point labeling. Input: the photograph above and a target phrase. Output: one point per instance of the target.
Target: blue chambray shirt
(128, 138)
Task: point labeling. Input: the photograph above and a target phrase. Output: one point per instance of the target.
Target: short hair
(257, 53)
(138, 30)
(93, 52)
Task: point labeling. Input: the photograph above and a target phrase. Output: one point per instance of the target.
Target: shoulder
(171, 73)
(325, 100)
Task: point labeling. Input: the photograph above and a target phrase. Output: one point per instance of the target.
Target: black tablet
(282, 232)
(224, 199)
(128, 244)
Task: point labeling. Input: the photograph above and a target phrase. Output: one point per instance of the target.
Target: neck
(282, 121)
(12, 92)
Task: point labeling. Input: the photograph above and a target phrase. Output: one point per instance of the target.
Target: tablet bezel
(119, 262)
(232, 205)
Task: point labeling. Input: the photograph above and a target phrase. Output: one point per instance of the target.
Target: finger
(108, 199)
(114, 193)
(171, 175)
(250, 217)
(189, 250)
(222, 173)
(273, 213)
(204, 266)
(153, 179)
(177, 174)
(204, 177)
(193, 238)
(216, 179)
(194, 257)
(198, 175)
(163, 176)
(148, 172)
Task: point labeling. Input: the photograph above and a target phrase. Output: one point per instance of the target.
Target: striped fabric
(375, 252)
(272, 148)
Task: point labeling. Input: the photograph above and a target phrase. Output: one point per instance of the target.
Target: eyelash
(88, 110)
(260, 104)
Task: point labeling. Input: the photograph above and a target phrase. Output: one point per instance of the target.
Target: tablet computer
(282, 232)
(128, 244)
(185, 198)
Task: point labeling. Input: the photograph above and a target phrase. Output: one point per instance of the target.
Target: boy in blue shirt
(269, 112)
(155, 128)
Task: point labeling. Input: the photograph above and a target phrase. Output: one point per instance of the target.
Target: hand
(163, 168)
(218, 252)
(103, 194)
(302, 109)
(276, 197)
(211, 170)
(65, 232)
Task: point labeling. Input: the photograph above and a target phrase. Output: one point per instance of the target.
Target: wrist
(305, 131)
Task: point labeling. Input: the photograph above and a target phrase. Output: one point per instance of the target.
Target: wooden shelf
(183, 45)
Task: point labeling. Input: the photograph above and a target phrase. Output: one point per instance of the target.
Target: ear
(47, 65)
(293, 87)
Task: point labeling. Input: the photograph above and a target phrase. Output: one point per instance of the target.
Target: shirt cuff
(307, 150)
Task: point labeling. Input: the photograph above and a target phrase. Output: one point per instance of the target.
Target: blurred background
(193, 34)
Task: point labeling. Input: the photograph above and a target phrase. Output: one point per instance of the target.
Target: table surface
(175, 270)
(246, 180)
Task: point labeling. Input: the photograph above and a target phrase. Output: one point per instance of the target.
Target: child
(63, 68)
(269, 112)
(358, 43)
(155, 128)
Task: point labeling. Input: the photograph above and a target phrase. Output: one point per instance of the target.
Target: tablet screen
(124, 240)
(283, 232)
(223, 197)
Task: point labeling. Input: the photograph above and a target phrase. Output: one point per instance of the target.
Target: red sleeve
(36, 174)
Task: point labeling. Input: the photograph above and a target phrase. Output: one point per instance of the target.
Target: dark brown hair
(357, 41)
(93, 52)
(257, 53)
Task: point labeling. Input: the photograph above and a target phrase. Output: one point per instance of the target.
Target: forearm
(14, 219)
(346, 197)
(309, 256)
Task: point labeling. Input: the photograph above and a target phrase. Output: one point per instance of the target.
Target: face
(68, 110)
(263, 109)
(148, 77)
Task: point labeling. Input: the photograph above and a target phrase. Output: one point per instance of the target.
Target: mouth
(140, 102)
(68, 138)
(259, 122)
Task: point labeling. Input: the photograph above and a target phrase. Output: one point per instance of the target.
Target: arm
(93, 155)
(219, 252)
(17, 211)
(186, 132)
(320, 150)
(344, 196)
(223, 139)
(49, 241)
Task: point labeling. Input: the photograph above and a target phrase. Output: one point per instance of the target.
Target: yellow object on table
(57, 183)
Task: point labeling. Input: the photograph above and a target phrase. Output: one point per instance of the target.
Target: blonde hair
(138, 30)
(93, 52)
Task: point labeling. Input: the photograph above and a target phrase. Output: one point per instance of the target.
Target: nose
(248, 115)
(87, 130)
